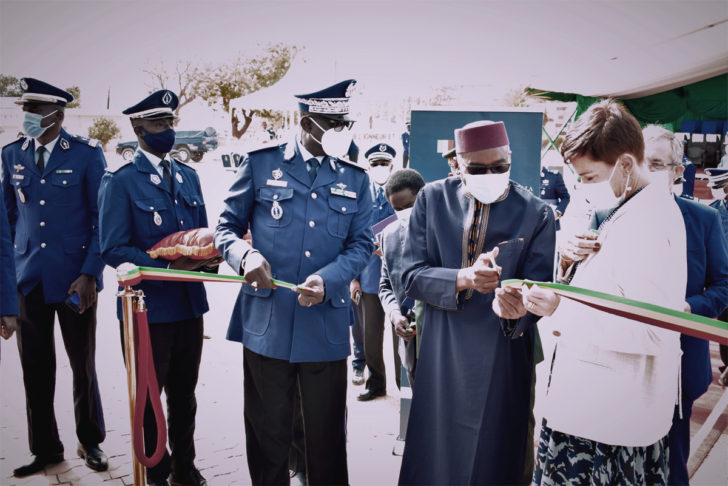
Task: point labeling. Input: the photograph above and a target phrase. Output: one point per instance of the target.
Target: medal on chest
(157, 219)
(276, 211)
(155, 179)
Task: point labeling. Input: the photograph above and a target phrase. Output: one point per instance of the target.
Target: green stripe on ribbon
(690, 324)
(133, 275)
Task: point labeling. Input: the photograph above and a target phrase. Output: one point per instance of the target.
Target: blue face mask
(31, 124)
(161, 142)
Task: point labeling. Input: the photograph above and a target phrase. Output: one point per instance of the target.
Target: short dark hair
(404, 179)
(603, 132)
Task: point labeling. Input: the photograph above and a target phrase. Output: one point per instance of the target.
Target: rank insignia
(18, 176)
(25, 144)
(339, 191)
(157, 219)
(276, 211)
(64, 144)
(178, 176)
(382, 148)
(277, 174)
(21, 195)
(545, 182)
(64, 171)
(155, 179)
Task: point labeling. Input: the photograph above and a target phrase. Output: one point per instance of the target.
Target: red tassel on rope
(147, 386)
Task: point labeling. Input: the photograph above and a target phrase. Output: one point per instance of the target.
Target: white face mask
(380, 174)
(676, 189)
(662, 178)
(718, 193)
(486, 188)
(601, 195)
(403, 216)
(334, 144)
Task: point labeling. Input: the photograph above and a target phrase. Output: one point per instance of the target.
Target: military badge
(24, 84)
(64, 144)
(178, 176)
(545, 182)
(350, 89)
(167, 98)
(382, 148)
(21, 195)
(277, 174)
(341, 186)
(18, 167)
(25, 144)
(276, 211)
(155, 179)
(157, 219)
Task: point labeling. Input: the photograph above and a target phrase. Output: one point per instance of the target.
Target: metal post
(127, 300)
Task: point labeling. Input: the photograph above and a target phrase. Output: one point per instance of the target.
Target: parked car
(188, 144)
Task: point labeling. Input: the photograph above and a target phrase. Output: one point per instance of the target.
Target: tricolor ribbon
(654, 315)
(128, 274)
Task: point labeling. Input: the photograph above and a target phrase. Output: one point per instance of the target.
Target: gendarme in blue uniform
(301, 228)
(138, 210)
(53, 215)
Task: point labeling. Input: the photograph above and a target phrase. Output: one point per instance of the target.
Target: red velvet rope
(147, 386)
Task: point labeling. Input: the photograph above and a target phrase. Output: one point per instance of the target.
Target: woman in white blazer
(614, 382)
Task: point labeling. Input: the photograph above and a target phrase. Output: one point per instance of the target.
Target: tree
(243, 76)
(103, 129)
(184, 79)
(10, 86)
(76, 92)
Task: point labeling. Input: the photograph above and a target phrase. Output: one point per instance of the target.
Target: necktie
(312, 166)
(380, 195)
(41, 158)
(166, 174)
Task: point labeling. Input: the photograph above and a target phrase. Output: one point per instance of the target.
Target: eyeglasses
(335, 125)
(488, 169)
(658, 166)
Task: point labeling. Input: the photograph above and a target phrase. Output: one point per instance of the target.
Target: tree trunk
(248, 119)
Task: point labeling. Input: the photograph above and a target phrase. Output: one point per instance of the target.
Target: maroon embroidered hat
(480, 135)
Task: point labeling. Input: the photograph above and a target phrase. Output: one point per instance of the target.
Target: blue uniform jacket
(553, 190)
(137, 210)
(8, 285)
(707, 269)
(301, 229)
(54, 215)
(722, 207)
(369, 277)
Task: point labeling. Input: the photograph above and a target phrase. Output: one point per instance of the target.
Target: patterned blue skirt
(564, 459)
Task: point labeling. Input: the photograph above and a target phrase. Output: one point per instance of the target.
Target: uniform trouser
(357, 334)
(38, 359)
(374, 323)
(176, 351)
(269, 386)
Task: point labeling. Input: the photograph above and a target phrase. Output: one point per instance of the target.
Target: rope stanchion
(146, 387)
(654, 315)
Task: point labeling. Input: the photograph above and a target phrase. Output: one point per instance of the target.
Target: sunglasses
(488, 169)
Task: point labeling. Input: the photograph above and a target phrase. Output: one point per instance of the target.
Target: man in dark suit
(707, 287)
(401, 190)
(50, 183)
(718, 184)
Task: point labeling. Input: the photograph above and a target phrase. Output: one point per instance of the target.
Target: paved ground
(220, 442)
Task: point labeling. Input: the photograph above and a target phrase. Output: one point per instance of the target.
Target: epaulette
(352, 164)
(91, 142)
(114, 171)
(186, 166)
(263, 148)
(20, 138)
